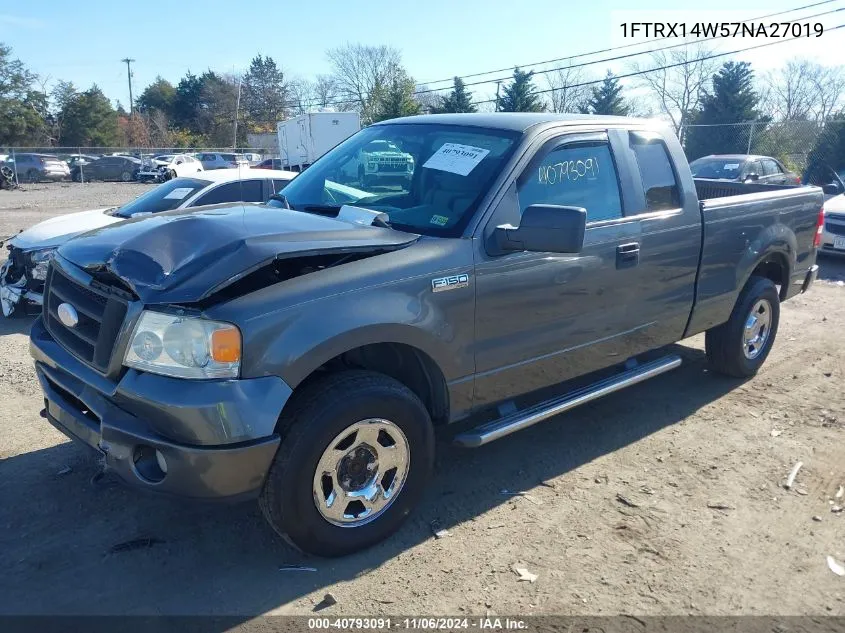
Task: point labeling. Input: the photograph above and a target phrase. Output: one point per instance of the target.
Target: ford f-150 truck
(304, 351)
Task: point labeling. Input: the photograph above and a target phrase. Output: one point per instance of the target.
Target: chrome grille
(100, 313)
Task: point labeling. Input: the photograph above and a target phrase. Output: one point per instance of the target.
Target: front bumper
(833, 228)
(230, 423)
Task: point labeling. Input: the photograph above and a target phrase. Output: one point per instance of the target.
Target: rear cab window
(574, 174)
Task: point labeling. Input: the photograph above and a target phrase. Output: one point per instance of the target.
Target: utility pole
(237, 107)
(127, 61)
(497, 94)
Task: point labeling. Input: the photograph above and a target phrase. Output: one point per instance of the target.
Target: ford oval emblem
(68, 315)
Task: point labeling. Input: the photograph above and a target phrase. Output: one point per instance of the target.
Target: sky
(84, 41)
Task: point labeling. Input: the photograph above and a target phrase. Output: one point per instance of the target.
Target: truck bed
(738, 219)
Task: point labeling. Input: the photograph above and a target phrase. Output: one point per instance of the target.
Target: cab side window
(656, 173)
(243, 191)
(574, 175)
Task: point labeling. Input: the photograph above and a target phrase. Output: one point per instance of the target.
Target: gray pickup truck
(304, 351)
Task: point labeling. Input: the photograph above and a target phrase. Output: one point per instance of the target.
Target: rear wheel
(740, 346)
(356, 454)
(126, 176)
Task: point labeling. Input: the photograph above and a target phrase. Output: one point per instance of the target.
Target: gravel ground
(31, 204)
(664, 499)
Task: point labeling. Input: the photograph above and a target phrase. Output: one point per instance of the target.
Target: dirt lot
(663, 499)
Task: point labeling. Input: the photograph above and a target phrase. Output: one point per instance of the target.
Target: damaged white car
(22, 275)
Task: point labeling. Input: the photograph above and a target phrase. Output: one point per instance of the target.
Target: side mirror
(832, 189)
(545, 228)
(752, 177)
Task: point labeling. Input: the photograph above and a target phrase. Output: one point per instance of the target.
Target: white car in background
(22, 275)
(168, 166)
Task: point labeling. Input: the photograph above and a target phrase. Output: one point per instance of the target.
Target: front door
(542, 318)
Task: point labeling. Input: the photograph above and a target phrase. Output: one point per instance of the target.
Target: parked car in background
(743, 168)
(269, 163)
(223, 161)
(833, 183)
(253, 158)
(79, 159)
(22, 275)
(169, 166)
(38, 167)
(123, 168)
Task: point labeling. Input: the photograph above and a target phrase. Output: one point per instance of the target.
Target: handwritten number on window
(569, 171)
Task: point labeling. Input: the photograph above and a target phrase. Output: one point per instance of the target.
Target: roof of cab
(514, 121)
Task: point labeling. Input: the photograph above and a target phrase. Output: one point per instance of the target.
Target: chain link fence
(27, 170)
(795, 143)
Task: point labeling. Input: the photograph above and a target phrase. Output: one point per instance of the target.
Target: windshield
(165, 197)
(726, 168)
(433, 189)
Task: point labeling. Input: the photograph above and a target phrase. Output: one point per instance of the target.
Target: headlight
(40, 260)
(184, 347)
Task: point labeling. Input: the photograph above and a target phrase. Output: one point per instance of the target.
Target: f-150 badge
(449, 283)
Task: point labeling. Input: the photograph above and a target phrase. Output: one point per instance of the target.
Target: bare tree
(326, 92)
(362, 72)
(565, 93)
(301, 95)
(428, 99)
(791, 90)
(803, 90)
(677, 90)
(830, 91)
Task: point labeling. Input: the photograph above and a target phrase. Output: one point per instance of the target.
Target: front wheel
(740, 346)
(126, 176)
(356, 454)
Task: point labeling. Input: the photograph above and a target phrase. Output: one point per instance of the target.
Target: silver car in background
(215, 160)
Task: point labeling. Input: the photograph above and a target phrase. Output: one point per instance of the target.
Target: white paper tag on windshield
(179, 193)
(732, 166)
(456, 158)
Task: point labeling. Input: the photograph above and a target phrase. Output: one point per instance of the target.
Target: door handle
(628, 255)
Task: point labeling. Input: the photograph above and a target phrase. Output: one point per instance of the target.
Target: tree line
(695, 94)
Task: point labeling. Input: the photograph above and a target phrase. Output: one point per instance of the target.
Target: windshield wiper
(280, 197)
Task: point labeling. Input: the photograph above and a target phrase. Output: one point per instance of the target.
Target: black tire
(32, 176)
(724, 344)
(318, 413)
(76, 176)
(126, 176)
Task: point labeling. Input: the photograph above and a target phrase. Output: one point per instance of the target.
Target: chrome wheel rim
(361, 472)
(757, 329)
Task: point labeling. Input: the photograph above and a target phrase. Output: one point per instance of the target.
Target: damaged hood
(184, 256)
(59, 230)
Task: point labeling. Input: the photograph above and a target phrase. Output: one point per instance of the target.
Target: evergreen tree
(521, 94)
(459, 100)
(397, 100)
(159, 95)
(265, 92)
(186, 101)
(732, 99)
(89, 121)
(607, 98)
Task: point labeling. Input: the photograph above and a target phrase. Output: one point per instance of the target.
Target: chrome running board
(486, 433)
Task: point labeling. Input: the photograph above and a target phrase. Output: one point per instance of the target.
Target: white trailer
(304, 138)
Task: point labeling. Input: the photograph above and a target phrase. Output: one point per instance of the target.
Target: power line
(498, 80)
(614, 58)
(691, 61)
(616, 48)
